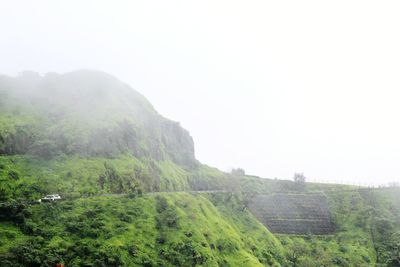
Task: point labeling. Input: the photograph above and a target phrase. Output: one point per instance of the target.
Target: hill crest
(85, 112)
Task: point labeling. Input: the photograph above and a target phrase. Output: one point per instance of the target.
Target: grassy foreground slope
(160, 229)
(195, 229)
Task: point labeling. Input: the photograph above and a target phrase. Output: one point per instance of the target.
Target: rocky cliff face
(88, 113)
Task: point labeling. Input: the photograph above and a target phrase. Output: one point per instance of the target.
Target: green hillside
(86, 133)
(198, 229)
(155, 230)
(85, 113)
(131, 190)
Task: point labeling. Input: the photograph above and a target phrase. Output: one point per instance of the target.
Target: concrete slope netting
(293, 213)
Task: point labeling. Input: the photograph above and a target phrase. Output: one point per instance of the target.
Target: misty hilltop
(131, 192)
(88, 113)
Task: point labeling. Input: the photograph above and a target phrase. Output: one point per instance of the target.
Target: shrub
(125, 217)
(161, 204)
(13, 211)
(167, 215)
(13, 174)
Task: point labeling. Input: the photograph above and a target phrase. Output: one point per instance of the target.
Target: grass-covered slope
(182, 229)
(154, 230)
(28, 177)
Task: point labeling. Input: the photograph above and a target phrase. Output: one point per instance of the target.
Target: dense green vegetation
(160, 229)
(121, 170)
(29, 177)
(181, 229)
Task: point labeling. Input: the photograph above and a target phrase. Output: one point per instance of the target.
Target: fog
(271, 87)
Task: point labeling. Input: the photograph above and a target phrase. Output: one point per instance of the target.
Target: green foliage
(167, 215)
(13, 174)
(12, 211)
(115, 231)
(207, 178)
(179, 229)
(299, 181)
(29, 178)
(296, 251)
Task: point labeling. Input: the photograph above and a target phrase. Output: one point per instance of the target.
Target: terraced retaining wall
(293, 213)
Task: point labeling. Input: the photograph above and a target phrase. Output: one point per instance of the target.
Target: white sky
(274, 87)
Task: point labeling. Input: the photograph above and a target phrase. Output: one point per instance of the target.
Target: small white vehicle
(49, 198)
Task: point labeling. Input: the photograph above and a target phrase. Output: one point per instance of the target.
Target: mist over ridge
(89, 113)
(199, 133)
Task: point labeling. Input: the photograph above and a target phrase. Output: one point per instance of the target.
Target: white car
(48, 198)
